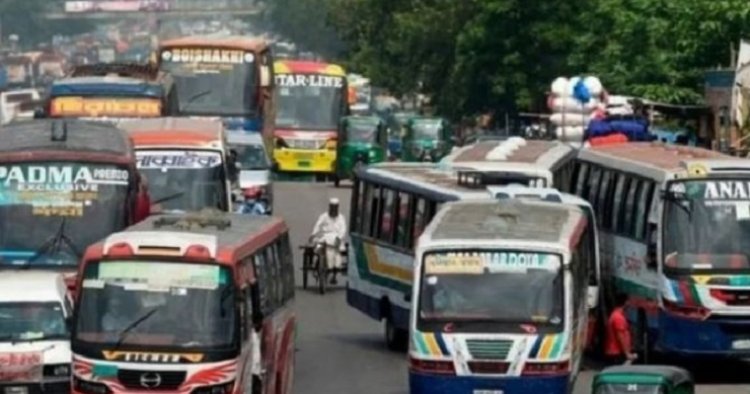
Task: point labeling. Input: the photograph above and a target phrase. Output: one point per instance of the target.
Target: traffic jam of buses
(147, 242)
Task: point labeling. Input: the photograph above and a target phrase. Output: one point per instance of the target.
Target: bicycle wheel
(322, 269)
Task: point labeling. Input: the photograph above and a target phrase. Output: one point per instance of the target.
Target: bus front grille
(489, 350)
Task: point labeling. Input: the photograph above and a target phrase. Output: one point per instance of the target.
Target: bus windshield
(252, 157)
(500, 290)
(32, 321)
(152, 303)
(51, 211)
(213, 89)
(309, 102)
(185, 180)
(707, 225)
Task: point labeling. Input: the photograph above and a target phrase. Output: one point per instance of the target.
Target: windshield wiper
(54, 244)
(194, 97)
(168, 198)
(124, 333)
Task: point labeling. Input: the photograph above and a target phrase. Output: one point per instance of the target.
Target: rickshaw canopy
(670, 377)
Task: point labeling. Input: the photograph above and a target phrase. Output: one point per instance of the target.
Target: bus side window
(287, 265)
(630, 208)
(261, 268)
(581, 180)
(622, 210)
(601, 200)
(272, 257)
(404, 220)
(616, 202)
(593, 186)
(370, 211)
(355, 221)
(246, 312)
(644, 203)
(419, 219)
(387, 218)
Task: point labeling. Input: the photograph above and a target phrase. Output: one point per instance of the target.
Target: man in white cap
(330, 229)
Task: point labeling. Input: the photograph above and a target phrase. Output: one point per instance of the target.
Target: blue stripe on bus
(16, 253)
(537, 346)
(675, 285)
(441, 344)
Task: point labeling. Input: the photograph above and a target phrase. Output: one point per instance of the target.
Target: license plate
(488, 392)
(303, 163)
(303, 156)
(16, 390)
(741, 344)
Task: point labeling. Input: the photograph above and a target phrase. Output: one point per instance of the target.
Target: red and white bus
(196, 304)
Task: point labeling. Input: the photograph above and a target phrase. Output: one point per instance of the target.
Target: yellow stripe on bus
(376, 267)
(432, 344)
(549, 340)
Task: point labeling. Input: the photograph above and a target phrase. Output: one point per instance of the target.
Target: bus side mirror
(265, 76)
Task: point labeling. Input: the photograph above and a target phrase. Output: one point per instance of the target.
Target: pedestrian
(618, 344)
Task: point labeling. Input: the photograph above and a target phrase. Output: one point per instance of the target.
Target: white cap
(334, 201)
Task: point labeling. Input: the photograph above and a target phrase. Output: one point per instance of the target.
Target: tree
(26, 19)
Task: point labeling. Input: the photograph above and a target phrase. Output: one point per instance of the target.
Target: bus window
(622, 208)
(581, 179)
(371, 210)
(359, 203)
(593, 185)
(419, 218)
(387, 218)
(601, 201)
(404, 220)
(616, 202)
(644, 203)
(630, 208)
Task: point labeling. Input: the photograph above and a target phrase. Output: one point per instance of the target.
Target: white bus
(528, 162)
(383, 256)
(675, 236)
(500, 300)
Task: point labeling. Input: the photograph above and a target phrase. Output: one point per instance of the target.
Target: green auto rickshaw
(361, 140)
(643, 379)
(426, 139)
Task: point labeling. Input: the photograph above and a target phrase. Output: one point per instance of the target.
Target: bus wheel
(642, 337)
(396, 338)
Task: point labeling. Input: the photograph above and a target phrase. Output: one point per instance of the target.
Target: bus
(674, 230)
(223, 287)
(226, 77)
(111, 92)
(185, 162)
(534, 163)
(312, 99)
(499, 300)
(63, 186)
(411, 194)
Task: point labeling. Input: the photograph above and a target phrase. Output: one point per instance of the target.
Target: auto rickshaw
(426, 139)
(362, 140)
(643, 379)
(396, 131)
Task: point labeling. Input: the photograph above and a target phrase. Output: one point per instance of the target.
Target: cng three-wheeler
(362, 140)
(426, 139)
(643, 379)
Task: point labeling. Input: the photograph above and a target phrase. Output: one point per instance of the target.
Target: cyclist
(330, 230)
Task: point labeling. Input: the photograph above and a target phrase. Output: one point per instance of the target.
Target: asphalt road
(340, 350)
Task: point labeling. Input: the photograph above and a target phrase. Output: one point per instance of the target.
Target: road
(340, 350)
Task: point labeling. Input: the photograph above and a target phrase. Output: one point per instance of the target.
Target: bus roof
(219, 236)
(307, 67)
(242, 137)
(545, 154)
(50, 138)
(224, 42)
(662, 160)
(174, 132)
(507, 221)
(106, 86)
(421, 178)
(144, 72)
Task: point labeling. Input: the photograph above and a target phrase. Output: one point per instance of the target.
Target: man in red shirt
(618, 345)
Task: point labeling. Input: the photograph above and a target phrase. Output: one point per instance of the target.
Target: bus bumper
(713, 337)
(420, 383)
(303, 160)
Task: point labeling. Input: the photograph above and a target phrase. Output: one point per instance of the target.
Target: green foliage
(25, 18)
(475, 55)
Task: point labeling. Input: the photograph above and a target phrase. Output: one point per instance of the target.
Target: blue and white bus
(499, 299)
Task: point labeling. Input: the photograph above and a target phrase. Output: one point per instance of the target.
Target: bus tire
(643, 338)
(396, 339)
(257, 385)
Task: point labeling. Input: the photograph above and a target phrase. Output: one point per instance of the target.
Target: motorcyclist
(330, 229)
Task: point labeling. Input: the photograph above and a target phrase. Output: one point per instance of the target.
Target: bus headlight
(61, 370)
(224, 388)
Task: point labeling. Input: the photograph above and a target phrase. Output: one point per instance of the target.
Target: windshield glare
(251, 157)
(426, 130)
(40, 202)
(313, 102)
(707, 225)
(187, 305)
(184, 180)
(213, 89)
(31, 321)
(362, 132)
(492, 286)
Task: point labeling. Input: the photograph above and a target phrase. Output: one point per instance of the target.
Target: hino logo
(150, 380)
